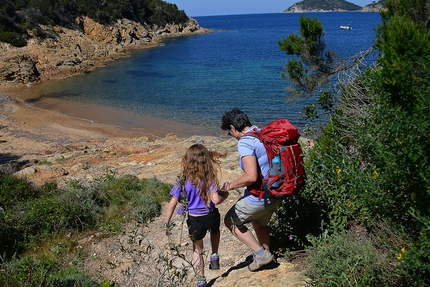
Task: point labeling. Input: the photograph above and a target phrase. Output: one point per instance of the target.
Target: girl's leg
(215, 238)
(214, 258)
(198, 262)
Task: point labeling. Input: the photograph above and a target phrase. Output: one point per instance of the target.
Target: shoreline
(94, 114)
(43, 146)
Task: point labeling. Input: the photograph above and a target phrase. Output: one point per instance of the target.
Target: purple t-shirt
(195, 203)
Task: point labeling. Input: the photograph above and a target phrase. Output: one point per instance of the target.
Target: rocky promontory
(66, 52)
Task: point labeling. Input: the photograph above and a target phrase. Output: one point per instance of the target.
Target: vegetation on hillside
(382, 3)
(364, 217)
(20, 19)
(39, 227)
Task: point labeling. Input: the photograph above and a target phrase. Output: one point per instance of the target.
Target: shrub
(28, 272)
(415, 258)
(30, 213)
(13, 38)
(145, 208)
(350, 258)
(129, 197)
(293, 221)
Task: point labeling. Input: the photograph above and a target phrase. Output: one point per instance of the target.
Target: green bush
(415, 258)
(29, 272)
(350, 259)
(293, 221)
(372, 164)
(13, 189)
(33, 217)
(13, 38)
(39, 213)
(145, 208)
(128, 197)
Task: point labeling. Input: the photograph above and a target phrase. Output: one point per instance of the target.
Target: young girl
(198, 187)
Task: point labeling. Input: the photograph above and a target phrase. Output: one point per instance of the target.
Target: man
(249, 208)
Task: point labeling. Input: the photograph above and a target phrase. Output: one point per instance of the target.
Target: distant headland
(334, 6)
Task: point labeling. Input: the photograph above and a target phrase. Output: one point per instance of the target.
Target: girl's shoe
(214, 262)
(201, 282)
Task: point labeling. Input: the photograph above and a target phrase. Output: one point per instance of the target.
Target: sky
(195, 8)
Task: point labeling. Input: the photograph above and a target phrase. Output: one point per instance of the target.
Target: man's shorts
(199, 225)
(245, 212)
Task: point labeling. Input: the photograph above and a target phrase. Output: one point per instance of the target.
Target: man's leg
(262, 233)
(243, 234)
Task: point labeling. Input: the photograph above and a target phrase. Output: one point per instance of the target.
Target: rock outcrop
(374, 7)
(68, 52)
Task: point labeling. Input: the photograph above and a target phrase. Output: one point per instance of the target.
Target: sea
(193, 80)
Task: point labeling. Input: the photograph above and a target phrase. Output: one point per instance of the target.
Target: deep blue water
(196, 79)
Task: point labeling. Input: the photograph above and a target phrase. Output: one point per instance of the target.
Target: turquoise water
(195, 79)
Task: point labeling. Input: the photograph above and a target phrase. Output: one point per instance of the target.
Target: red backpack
(286, 174)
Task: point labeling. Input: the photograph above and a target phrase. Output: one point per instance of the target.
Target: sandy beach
(45, 145)
(26, 130)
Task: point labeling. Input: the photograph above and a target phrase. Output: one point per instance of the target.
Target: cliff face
(68, 52)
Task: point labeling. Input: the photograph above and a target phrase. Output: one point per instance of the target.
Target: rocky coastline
(69, 52)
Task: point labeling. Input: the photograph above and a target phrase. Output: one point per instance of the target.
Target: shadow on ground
(248, 260)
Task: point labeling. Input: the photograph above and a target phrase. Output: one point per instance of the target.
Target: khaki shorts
(244, 212)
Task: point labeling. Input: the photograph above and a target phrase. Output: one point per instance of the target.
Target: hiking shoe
(214, 262)
(260, 261)
(201, 282)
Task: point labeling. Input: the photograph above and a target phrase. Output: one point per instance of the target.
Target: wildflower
(338, 170)
(376, 173)
(402, 251)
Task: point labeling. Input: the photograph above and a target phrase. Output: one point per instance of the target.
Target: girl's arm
(219, 196)
(169, 212)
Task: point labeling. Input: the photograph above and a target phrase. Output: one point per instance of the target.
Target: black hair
(236, 118)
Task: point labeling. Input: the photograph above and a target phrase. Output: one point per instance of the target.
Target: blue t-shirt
(250, 145)
(195, 204)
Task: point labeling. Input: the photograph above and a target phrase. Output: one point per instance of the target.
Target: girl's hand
(166, 227)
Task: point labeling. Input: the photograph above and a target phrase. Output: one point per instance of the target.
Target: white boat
(346, 27)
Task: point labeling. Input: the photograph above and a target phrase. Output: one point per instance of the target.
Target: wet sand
(91, 114)
(28, 132)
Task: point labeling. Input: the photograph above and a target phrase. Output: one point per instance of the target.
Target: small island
(334, 6)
